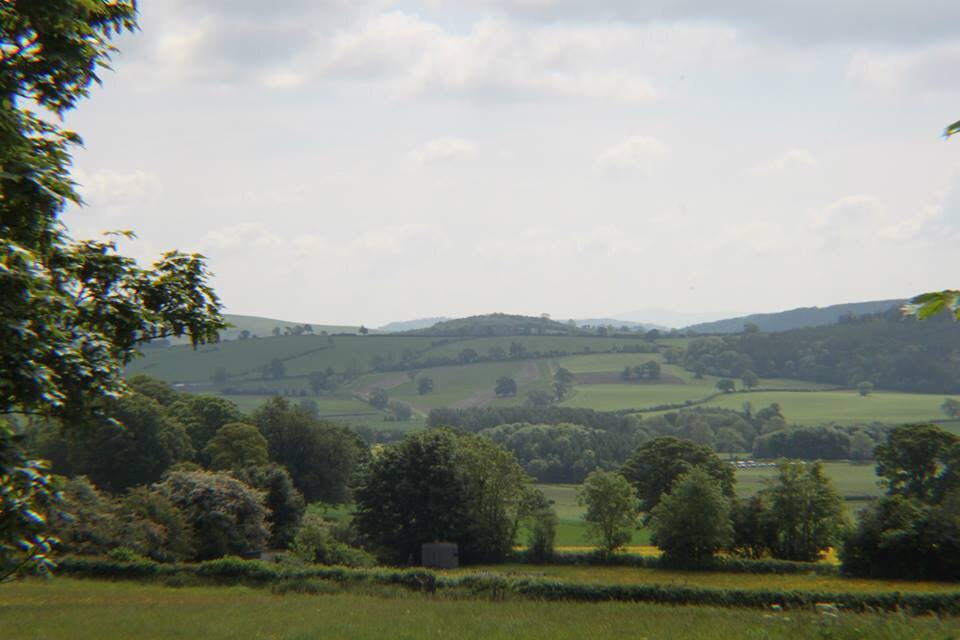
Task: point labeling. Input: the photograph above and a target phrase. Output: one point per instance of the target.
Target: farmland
(598, 363)
(112, 610)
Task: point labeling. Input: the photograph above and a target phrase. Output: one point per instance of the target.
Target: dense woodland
(888, 350)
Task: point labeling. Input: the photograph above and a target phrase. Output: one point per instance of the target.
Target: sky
(365, 161)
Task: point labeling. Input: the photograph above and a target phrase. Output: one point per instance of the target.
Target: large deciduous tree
(611, 509)
(655, 465)
(805, 510)
(320, 456)
(914, 461)
(72, 314)
(439, 485)
(692, 522)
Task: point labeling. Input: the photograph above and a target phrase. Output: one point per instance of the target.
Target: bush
(543, 534)
(227, 516)
(314, 542)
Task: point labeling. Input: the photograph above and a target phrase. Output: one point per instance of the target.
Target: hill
(263, 327)
(411, 325)
(887, 350)
(796, 318)
(496, 324)
(612, 322)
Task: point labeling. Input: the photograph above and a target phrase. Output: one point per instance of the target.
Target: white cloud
(790, 160)
(637, 152)
(401, 54)
(441, 150)
(850, 212)
(906, 72)
(113, 192)
(244, 236)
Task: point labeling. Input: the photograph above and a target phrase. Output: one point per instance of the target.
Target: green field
(243, 358)
(599, 386)
(66, 609)
(844, 407)
(469, 385)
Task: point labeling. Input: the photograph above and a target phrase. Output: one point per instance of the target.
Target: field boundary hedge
(723, 564)
(489, 585)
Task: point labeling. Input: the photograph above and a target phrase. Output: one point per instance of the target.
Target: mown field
(70, 609)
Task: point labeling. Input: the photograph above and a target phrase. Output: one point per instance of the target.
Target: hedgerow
(495, 586)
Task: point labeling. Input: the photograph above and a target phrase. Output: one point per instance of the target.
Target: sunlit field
(65, 609)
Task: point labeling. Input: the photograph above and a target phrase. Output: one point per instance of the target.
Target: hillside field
(593, 360)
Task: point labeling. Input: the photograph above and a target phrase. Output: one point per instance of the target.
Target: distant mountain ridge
(411, 325)
(796, 318)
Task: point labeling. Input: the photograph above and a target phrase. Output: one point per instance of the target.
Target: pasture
(66, 609)
(844, 407)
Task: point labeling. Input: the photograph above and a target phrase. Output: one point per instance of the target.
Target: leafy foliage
(692, 522)
(564, 452)
(227, 516)
(805, 510)
(320, 456)
(437, 485)
(655, 466)
(285, 503)
(72, 314)
(237, 446)
(918, 461)
(611, 514)
(29, 495)
(888, 350)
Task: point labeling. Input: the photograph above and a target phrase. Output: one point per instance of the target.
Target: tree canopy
(72, 314)
(656, 464)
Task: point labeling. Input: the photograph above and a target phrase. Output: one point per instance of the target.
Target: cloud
(810, 21)
(403, 54)
(906, 72)
(244, 236)
(114, 193)
(637, 152)
(442, 150)
(856, 212)
(790, 160)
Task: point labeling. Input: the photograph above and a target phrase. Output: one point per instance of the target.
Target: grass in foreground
(73, 609)
(607, 575)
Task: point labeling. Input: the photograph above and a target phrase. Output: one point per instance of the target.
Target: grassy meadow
(66, 609)
(844, 407)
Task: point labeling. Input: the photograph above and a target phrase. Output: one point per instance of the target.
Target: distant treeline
(565, 452)
(563, 444)
(887, 350)
(477, 418)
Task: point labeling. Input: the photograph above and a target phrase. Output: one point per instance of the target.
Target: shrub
(314, 542)
(227, 516)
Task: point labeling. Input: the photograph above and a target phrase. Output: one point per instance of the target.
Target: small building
(440, 555)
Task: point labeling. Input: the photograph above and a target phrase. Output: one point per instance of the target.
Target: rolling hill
(796, 318)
